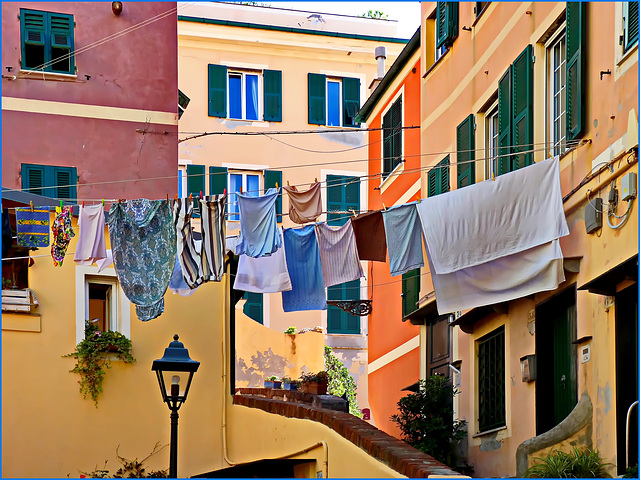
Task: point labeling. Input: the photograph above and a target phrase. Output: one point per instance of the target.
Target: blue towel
(32, 227)
(404, 238)
(305, 270)
(258, 228)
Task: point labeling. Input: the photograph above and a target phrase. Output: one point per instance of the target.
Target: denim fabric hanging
(143, 241)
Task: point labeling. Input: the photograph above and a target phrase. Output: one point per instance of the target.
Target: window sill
(436, 63)
(626, 55)
(249, 123)
(395, 173)
(489, 432)
(48, 76)
(479, 14)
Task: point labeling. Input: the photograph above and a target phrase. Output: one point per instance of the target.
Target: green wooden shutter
(339, 321)
(576, 77)
(438, 178)
(446, 23)
(32, 27)
(444, 175)
(466, 145)
(396, 122)
(350, 101)
(631, 26)
(253, 306)
(317, 99)
(217, 91)
(432, 182)
(272, 95)
(195, 184)
(217, 180)
(343, 194)
(410, 291)
(66, 179)
(491, 380)
(61, 41)
(387, 144)
(504, 123)
(523, 108)
(33, 178)
(271, 177)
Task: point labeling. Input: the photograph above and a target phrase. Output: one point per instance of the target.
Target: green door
(556, 357)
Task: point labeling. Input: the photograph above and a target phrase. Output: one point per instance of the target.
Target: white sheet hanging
(507, 278)
(263, 274)
(494, 219)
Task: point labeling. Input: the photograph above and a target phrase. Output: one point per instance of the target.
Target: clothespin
(354, 213)
(61, 205)
(167, 198)
(190, 197)
(224, 192)
(240, 189)
(315, 180)
(31, 203)
(200, 194)
(276, 185)
(288, 183)
(493, 176)
(83, 204)
(384, 206)
(103, 202)
(176, 197)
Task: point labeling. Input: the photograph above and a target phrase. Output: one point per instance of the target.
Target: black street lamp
(176, 360)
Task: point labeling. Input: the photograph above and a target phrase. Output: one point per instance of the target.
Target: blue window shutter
(350, 101)
(61, 38)
(504, 123)
(317, 99)
(522, 100)
(271, 177)
(272, 95)
(465, 141)
(253, 307)
(66, 179)
(33, 178)
(217, 180)
(576, 78)
(217, 91)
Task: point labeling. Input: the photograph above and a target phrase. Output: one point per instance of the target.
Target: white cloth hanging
(263, 274)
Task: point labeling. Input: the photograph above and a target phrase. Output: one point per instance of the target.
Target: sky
(407, 13)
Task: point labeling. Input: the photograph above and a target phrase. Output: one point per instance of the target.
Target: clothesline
(574, 144)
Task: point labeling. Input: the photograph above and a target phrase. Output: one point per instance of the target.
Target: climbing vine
(341, 381)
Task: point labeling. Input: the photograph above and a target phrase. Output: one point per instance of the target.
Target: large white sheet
(494, 219)
(507, 278)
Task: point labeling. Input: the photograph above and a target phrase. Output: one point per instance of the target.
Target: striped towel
(33, 227)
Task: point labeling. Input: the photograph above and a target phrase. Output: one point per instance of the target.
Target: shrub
(290, 331)
(584, 463)
(426, 420)
(341, 381)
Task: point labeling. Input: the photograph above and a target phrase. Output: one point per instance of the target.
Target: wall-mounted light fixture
(116, 8)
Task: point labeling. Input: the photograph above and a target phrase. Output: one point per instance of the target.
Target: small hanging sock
(62, 231)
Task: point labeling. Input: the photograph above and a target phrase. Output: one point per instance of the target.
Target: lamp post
(176, 360)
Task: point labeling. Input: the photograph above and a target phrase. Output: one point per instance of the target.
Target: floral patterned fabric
(62, 231)
(143, 241)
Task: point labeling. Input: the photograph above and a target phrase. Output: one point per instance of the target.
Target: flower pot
(317, 388)
(277, 384)
(289, 386)
(268, 384)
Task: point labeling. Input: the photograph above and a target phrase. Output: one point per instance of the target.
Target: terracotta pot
(316, 388)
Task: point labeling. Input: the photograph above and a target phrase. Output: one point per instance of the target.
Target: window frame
(121, 307)
(484, 425)
(321, 93)
(626, 45)
(337, 81)
(243, 73)
(492, 132)
(554, 145)
(48, 30)
(234, 216)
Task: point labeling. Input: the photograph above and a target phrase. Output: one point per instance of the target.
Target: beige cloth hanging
(305, 206)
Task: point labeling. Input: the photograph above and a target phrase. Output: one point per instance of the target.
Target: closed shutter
(217, 91)
(61, 38)
(387, 144)
(396, 122)
(272, 96)
(504, 123)
(339, 321)
(491, 381)
(217, 180)
(576, 88)
(631, 30)
(343, 194)
(317, 99)
(446, 23)
(465, 140)
(438, 178)
(32, 26)
(195, 184)
(523, 108)
(271, 178)
(33, 178)
(65, 179)
(334, 314)
(410, 291)
(253, 306)
(350, 101)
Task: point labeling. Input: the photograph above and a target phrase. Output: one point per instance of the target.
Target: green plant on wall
(92, 359)
(426, 420)
(341, 381)
(585, 463)
(290, 331)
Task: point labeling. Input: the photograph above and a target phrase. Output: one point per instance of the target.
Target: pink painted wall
(135, 70)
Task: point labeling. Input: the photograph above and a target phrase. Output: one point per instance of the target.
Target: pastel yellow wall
(262, 352)
(464, 81)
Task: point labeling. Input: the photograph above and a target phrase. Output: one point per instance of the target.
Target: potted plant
(273, 382)
(315, 383)
(92, 359)
(290, 331)
(289, 384)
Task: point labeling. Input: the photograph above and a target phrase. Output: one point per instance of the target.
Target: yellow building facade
(572, 70)
(250, 74)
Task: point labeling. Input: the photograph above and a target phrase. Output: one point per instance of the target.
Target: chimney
(381, 56)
